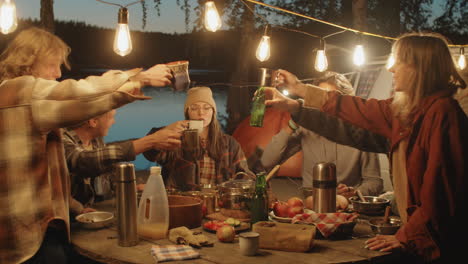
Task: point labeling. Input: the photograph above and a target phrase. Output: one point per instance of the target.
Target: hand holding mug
(158, 75)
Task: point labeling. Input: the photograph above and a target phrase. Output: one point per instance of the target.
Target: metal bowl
(372, 206)
(379, 227)
(95, 220)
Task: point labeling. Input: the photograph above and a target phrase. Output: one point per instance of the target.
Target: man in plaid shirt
(34, 182)
(90, 160)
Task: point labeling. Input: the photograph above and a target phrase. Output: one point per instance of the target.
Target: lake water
(134, 120)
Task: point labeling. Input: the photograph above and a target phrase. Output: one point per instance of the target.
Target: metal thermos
(324, 184)
(126, 203)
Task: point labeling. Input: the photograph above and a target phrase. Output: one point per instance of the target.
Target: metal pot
(372, 206)
(236, 194)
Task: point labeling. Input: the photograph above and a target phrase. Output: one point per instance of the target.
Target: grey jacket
(355, 168)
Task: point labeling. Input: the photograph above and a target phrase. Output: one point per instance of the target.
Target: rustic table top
(101, 245)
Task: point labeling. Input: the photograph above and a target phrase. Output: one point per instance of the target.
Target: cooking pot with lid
(236, 194)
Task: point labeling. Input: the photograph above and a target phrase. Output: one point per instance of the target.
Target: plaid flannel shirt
(34, 182)
(96, 162)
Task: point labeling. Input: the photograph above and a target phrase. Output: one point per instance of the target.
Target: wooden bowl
(184, 211)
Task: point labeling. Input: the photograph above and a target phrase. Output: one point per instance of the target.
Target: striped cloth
(326, 223)
(173, 252)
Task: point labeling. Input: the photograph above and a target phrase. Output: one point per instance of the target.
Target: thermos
(324, 185)
(126, 203)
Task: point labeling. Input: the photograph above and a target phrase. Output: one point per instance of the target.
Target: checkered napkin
(173, 252)
(325, 223)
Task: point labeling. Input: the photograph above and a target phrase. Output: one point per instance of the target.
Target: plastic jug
(153, 210)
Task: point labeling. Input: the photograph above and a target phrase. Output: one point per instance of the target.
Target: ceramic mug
(181, 78)
(196, 124)
(248, 243)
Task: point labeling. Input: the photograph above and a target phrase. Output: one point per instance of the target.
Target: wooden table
(101, 245)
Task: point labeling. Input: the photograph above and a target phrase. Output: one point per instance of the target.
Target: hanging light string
(332, 24)
(110, 3)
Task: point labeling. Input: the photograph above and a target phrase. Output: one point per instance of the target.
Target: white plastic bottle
(153, 210)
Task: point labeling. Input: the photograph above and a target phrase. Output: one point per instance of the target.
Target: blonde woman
(34, 183)
(429, 145)
(222, 156)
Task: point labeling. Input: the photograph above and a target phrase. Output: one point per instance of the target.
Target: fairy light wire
(125, 6)
(332, 24)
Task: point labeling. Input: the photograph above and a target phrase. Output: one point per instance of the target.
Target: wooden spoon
(387, 213)
(272, 172)
(361, 197)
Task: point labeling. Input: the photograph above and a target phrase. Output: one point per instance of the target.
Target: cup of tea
(181, 78)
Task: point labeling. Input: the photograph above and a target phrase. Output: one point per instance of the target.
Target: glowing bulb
(462, 59)
(390, 62)
(122, 40)
(8, 21)
(212, 19)
(263, 50)
(285, 92)
(321, 63)
(359, 57)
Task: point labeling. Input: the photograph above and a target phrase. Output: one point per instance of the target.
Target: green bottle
(259, 203)
(258, 108)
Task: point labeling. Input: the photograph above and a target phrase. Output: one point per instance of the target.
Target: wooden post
(47, 15)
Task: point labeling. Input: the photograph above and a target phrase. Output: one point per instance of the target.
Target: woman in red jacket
(429, 143)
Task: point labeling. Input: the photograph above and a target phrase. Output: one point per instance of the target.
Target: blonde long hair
(434, 71)
(27, 48)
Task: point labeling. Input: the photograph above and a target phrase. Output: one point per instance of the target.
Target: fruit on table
(309, 202)
(292, 211)
(232, 221)
(295, 201)
(226, 233)
(281, 209)
(214, 224)
(341, 202)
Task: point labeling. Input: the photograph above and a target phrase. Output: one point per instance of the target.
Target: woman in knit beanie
(221, 158)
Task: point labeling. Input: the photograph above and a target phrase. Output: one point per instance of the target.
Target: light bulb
(263, 50)
(358, 57)
(321, 62)
(390, 62)
(122, 40)
(462, 60)
(285, 92)
(212, 19)
(8, 21)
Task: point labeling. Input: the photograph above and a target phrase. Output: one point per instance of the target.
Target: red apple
(280, 209)
(295, 210)
(295, 201)
(226, 233)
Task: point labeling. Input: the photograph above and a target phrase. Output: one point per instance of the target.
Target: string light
(212, 18)
(359, 57)
(8, 20)
(263, 49)
(122, 40)
(462, 59)
(321, 62)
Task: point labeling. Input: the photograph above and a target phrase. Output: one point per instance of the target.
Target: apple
(309, 202)
(295, 201)
(280, 209)
(295, 210)
(226, 233)
(341, 202)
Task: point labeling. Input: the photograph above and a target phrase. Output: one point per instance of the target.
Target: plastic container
(153, 210)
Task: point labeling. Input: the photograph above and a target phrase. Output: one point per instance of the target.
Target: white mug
(196, 124)
(248, 243)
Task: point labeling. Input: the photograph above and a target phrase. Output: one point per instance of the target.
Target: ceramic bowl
(95, 220)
